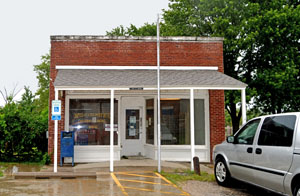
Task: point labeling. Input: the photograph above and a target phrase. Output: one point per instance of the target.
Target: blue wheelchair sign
(56, 109)
(56, 117)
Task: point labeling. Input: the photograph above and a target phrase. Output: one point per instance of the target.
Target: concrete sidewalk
(94, 170)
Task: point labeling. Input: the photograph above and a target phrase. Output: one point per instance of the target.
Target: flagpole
(158, 100)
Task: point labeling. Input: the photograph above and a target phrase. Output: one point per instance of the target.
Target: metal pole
(244, 114)
(55, 137)
(192, 122)
(111, 165)
(158, 100)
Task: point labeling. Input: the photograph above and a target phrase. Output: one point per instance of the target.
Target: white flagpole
(158, 100)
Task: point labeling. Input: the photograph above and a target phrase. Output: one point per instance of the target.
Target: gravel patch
(198, 188)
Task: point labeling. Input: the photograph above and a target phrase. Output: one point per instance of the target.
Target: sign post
(56, 115)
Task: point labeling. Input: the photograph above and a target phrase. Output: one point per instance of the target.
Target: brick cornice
(134, 38)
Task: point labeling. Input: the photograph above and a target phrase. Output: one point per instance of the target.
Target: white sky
(26, 26)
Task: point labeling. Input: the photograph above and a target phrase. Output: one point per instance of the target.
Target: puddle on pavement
(85, 187)
(65, 187)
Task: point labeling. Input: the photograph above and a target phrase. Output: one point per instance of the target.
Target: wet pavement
(145, 183)
(126, 181)
(119, 183)
(122, 182)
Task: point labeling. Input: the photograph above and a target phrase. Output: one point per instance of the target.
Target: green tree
(271, 40)
(145, 30)
(22, 130)
(43, 76)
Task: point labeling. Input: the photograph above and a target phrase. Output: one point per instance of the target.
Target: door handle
(258, 151)
(250, 150)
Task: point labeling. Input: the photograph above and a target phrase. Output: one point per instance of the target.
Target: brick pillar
(217, 118)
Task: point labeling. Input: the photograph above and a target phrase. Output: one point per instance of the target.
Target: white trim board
(162, 88)
(210, 68)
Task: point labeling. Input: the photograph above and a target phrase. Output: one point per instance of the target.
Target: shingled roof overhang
(209, 79)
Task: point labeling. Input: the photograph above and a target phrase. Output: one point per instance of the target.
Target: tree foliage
(145, 30)
(271, 39)
(43, 76)
(22, 130)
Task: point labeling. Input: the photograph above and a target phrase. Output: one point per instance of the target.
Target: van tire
(222, 173)
(297, 190)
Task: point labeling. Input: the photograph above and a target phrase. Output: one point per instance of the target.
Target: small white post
(244, 114)
(192, 124)
(55, 136)
(111, 165)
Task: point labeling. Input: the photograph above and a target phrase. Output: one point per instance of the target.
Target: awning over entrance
(144, 78)
(105, 78)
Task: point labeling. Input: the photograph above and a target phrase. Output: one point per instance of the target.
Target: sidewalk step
(52, 175)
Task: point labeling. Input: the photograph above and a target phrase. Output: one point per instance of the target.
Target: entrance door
(132, 136)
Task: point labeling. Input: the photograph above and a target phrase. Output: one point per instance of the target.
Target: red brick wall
(216, 117)
(136, 53)
(105, 53)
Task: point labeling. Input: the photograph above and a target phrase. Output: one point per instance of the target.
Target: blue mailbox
(66, 146)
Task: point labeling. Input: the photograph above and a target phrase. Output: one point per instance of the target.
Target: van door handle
(250, 150)
(258, 151)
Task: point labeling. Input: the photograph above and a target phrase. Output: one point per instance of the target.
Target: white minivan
(265, 152)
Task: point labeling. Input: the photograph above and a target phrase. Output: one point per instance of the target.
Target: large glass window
(277, 131)
(90, 119)
(175, 121)
(199, 122)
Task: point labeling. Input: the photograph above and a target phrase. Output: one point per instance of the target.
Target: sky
(26, 26)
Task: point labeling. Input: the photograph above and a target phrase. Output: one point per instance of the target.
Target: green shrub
(23, 130)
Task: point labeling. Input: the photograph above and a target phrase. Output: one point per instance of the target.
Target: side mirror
(230, 139)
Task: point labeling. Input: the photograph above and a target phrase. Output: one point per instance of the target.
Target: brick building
(88, 73)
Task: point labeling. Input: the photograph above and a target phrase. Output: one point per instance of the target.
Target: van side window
(247, 133)
(277, 131)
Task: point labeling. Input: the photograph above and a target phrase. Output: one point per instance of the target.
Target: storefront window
(150, 121)
(175, 122)
(199, 122)
(90, 119)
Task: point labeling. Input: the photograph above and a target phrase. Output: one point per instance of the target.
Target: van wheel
(222, 174)
(297, 190)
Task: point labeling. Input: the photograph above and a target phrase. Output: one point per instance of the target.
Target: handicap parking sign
(56, 109)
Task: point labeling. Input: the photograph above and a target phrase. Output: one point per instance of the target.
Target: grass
(177, 177)
(2, 168)
(5, 164)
